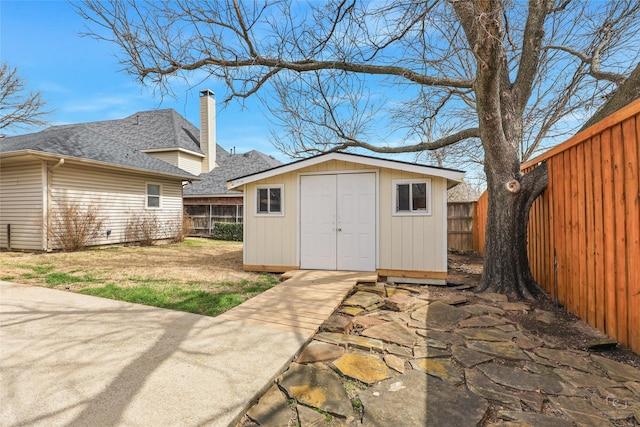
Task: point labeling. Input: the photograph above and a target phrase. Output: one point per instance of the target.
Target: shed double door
(338, 222)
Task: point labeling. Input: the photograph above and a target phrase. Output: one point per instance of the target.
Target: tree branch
(18, 108)
(594, 69)
(309, 65)
(530, 57)
(422, 146)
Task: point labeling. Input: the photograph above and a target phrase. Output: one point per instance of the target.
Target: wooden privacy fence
(480, 222)
(584, 231)
(460, 225)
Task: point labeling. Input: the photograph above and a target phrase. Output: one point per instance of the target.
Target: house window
(412, 197)
(270, 200)
(153, 195)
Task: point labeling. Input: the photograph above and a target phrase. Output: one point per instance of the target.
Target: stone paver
(351, 341)
(441, 368)
(580, 411)
(518, 379)
(272, 409)
(399, 302)
(567, 358)
(440, 315)
(468, 357)
(481, 385)
(383, 400)
(319, 388)
(363, 300)
(363, 367)
(616, 370)
(452, 406)
(317, 351)
(505, 350)
(393, 332)
(534, 419)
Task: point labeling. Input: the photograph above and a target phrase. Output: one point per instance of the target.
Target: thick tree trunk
(506, 263)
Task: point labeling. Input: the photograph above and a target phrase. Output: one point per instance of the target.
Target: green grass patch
(181, 298)
(30, 276)
(151, 282)
(42, 269)
(38, 269)
(194, 243)
(59, 278)
(7, 278)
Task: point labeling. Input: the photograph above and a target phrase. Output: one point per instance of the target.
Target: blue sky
(80, 80)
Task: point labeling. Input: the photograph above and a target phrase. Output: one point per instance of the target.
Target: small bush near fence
(228, 231)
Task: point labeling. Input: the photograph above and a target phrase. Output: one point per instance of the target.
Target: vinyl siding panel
(413, 243)
(170, 157)
(21, 204)
(121, 197)
(271, 239)
(184, 161)
(190, 163)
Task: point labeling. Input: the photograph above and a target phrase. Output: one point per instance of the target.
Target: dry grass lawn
(198, 264)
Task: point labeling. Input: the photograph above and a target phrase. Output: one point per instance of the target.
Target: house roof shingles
(124, 142)
(78, 141)
(215, 182)
(152, 130)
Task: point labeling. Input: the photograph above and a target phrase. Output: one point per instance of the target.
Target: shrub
(178, 229)
(228, 231)
(73, 227)
(142, 228)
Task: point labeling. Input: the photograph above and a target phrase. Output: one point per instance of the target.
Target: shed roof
(453, 176)
(80, 143)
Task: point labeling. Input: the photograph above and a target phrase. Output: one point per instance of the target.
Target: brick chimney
(208, 129)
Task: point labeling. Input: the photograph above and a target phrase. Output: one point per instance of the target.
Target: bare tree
(18, 109)
(345, 74)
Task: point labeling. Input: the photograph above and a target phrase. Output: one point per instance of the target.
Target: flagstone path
(412, 356)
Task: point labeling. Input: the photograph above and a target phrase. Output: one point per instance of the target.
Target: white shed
(339, 211)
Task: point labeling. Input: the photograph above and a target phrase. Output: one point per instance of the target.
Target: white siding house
(42, 172)
(348, 212)
(22, 196)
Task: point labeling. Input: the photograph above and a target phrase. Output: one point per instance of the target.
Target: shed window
(270, 200)
(153, 195)
(412, 197)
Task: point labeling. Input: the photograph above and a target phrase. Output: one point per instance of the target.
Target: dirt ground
(569, 330)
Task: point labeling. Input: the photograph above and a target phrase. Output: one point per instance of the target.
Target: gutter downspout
(49, 197)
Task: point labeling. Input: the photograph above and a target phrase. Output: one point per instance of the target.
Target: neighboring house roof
(124, 142)
(215, 182)
(153, 130)
(453, 176)
(81, 143)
